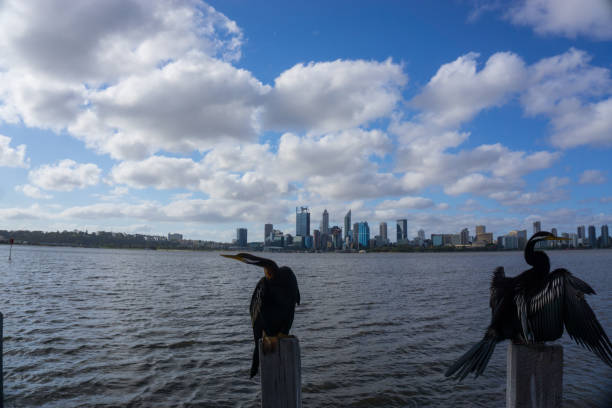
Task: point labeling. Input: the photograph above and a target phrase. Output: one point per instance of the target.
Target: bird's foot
(269, 344)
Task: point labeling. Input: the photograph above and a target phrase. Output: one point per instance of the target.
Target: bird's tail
(475, 360)
(255, 361)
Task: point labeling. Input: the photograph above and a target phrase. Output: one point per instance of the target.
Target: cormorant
(532, 308)
(272, 303)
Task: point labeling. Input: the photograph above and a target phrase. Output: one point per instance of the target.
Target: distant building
(276, 239)
(592, 236)
(175, 237)
(355, 235)
(537, 227)
(347, 224)
(402, 230)
(484, 238)
(268, 228)
(437, 240)
(480, 229)
(302, 221)
(605, 237)
(241, 237)
(336, 236)
(383, 234)
(325, 222)
(316, 239)
(421, 235)
(510, 241)
(308, 241)
(465, 236)
(364, 234)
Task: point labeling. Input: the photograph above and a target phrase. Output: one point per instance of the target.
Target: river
(137, 328)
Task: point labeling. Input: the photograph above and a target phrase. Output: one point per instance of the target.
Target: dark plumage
(532, 308)
(273, 301)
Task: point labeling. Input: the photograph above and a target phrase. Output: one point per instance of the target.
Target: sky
(151, 116)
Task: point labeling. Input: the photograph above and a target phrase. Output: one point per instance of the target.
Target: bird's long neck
(538, 259)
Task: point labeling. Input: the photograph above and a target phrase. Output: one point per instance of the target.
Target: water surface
(107, 328)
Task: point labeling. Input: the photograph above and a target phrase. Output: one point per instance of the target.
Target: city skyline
(229, 114)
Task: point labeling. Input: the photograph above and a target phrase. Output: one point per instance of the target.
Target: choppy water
(107, 328)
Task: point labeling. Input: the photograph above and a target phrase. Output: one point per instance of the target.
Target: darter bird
(532, 308)
(272, 303)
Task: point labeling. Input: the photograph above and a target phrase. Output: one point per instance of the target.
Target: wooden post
(280, 371)
(534, 376)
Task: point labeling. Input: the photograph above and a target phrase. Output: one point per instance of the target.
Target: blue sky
(199, 118)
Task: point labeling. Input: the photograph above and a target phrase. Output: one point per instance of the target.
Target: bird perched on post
(272, 304)
(532, 308)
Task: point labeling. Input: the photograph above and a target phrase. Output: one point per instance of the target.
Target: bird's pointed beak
(237, 257)
(557, 239)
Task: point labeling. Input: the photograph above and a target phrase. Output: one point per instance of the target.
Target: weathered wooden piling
(534, 376)
(280, 372)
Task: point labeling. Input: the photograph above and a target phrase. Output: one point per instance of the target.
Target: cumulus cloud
(32, 191)
(575, 95)
(458, 91)
(592, 177)
(329, 96)
(66, 175)
(12, 156)
(569, 18)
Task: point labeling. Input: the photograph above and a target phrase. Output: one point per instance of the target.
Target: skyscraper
(537, 227)
(581, 234)
(355, 234)
(268, 228)
(465, 236)
(480, 229)
(401, 230)
(241, 237)
(302, 221)
(325, 222)
(605, 238)
(383, 232)
(364, 234)
(592, 236)
(347, 224)
(421, 235)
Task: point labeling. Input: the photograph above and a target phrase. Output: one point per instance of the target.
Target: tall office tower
(325, 222)
(605, 238)
(355, 234)
(401, 230)
(316, 239)
(465, 236)
(383, 232)
(347, 224)
(537, 227)
(592, 237)
(581, 235)
(522, 238)
(241, 237)
(421, 235)
(364, 234)
(480, 229)
(268, 228)
(302, 221)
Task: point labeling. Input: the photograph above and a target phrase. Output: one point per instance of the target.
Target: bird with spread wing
(532, 308)
(272, 303)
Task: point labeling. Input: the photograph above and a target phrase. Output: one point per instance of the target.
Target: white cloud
(552, 183)
(330, 96)
(592, 177)
(12, 157)
(32, 191)
(66, 175)
(458, 91)
(569, 18)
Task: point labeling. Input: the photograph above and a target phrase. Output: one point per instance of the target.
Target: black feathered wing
(257, 320)
(561, 303)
